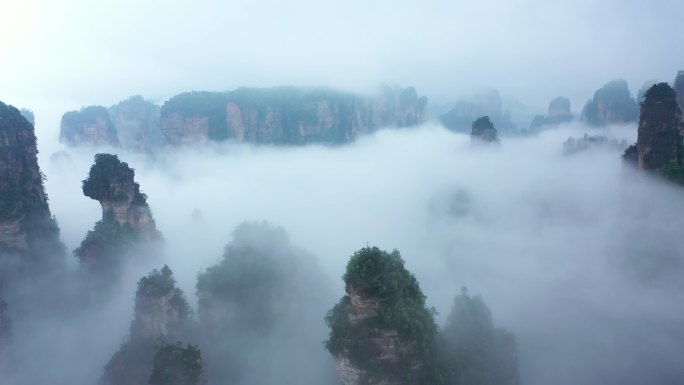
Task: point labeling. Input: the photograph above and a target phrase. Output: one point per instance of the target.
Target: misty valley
(313, 236)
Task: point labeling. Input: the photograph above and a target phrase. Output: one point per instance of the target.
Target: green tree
(483, 131)
(383, 298)
(174, 364)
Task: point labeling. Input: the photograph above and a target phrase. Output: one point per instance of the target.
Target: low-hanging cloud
(576, 255)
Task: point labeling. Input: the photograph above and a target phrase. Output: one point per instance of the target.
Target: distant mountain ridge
(280, 115)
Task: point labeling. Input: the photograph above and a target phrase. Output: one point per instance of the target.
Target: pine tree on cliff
(659, 146)
(29, 236)
(177, 365)
(381, 332)
(161, 313)
(126, 222)
(483, 131)
(472, 351)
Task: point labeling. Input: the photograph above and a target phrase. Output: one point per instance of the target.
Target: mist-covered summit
(612, 104)
(161, 314)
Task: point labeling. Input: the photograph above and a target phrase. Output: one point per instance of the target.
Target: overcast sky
(102, 51)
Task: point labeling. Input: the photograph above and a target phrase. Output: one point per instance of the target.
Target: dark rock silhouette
(483, 131)
(659, 139)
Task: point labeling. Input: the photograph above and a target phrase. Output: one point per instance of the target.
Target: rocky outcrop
(126, 217)
(483, 132)
(559, 112)
(286, 115)
(29, 236)
(91, 126)
(112, 183)
(137, 124)
(160, 308)
(611, 104)
(659, 138)
(678, 86)
(381, 332)
(161, 313)
(390, 349)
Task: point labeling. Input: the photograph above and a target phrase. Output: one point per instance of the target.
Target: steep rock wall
(91, 125)
(286, 115)
(659, 138)
(29, 236)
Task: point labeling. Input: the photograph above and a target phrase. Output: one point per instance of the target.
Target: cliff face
(137, 124)
(112, 183)
(132, 124)
(160, 308)
(286, 115)
(659, 139)
(611, 104)
(29, 236)
(126, 217)
(91, 125)
(161, 312)
(679, 89)
(461, 117)
(381, 332)
(390, 350)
